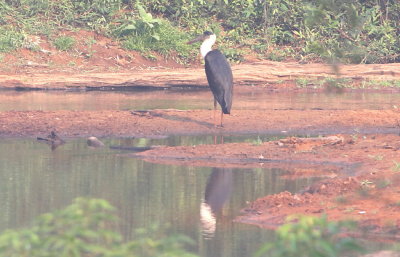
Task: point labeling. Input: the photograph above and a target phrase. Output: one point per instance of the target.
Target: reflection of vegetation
(85, 229)
(310, 236)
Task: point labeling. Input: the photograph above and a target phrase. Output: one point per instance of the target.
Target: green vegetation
(340, 83)
(377, 157)
(85, 228)
(383, 183)
(396, 166)
(330, 83)
(336, 83)
(148, 33)
(257, 141)
(341, 199)
(10, 39)
(363, 31)
(380, 84)
(64, 43)
(310, 236)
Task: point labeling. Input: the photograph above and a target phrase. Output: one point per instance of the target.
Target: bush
(10, 39)
(363, 31)
(64, 43)
(146, 33)
(85, 228)
(310, 236)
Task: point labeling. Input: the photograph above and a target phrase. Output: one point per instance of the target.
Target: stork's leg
(222, 115)
(215, 109)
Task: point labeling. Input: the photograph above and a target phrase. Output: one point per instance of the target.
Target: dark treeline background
(358, 31)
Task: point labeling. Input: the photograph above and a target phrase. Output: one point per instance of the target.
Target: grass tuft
(64, 43)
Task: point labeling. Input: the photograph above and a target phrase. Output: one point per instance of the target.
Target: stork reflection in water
(219, 73)
(218, 190)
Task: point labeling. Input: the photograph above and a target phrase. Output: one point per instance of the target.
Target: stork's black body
(220, 79)
(219, 73)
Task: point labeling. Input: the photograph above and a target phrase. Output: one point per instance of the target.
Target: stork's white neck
(206, 45)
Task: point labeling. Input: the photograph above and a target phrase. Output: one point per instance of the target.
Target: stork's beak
(199, 38)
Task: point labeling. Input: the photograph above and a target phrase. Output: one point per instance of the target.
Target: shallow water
(190, 99)
(35, 180)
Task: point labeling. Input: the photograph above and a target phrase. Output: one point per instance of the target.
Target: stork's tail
(226, 110)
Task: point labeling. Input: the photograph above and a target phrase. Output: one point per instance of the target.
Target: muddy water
(197, 202)
(191, 99)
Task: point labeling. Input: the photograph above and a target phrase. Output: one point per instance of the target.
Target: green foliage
(232, 54)
(64, 43)
(145, 24)
(257, 141)
(181, 11)
(363, 31)
(336, 31)
(146, 246)
(10, 39)
(336, 83)
(310, 236)
(396, 166)
(93, 14)
(146, 33)
(356, 32)
(306, 82)
(85, 229)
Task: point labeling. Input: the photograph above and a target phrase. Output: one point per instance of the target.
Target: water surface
(191, 99)
(35, 180)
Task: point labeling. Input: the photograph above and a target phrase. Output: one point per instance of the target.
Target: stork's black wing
(220, 79)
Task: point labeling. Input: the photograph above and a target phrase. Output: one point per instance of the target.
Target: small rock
(94, 142)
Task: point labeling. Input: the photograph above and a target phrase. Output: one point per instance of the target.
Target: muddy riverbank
(267, 74)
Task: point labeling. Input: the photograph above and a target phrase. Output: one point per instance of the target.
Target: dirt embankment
(271, 75)
(97, 61)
